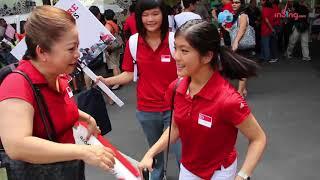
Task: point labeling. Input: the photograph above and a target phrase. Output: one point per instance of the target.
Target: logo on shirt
(205, 120)
(69, 91)
(241, 105)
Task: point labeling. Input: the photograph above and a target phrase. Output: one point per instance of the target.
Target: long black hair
(143, 5)
(204, 37)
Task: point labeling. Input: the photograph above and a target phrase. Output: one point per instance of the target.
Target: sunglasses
(236, 2)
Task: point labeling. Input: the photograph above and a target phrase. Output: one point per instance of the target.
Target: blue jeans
(265, 47)
(153, 125)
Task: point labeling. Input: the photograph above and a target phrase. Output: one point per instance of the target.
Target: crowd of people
(198, 54)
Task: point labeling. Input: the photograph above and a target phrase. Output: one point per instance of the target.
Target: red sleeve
(16, 86)
(126, 25)
(127, 64)
(235, 109)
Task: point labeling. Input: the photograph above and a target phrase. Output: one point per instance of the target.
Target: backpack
(133, 46)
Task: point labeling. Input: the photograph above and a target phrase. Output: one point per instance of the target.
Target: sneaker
(306, 59)
(273, 60)
(288, 56)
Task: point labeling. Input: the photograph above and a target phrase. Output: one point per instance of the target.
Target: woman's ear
(41, 54)
(207, 58)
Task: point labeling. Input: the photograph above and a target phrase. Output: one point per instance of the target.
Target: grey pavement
(285, 100)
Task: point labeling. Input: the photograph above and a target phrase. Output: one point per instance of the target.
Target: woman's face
(236, 5)
(152, 19)
(64, 53)
(188, 60)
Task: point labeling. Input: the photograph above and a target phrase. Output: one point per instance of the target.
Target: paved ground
(284, 98)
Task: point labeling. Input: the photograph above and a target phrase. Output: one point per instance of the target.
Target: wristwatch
(244, 175)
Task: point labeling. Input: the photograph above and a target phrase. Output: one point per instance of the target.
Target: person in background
(96, 12)
(187, 14)
(254, 15)
(287, 24)
(9, 31)
(226, 5)
(267, 30)
(300, 30)
(52, 53)
(113, 51)
(202, 9)
(241, 21)
(274, 41)
(130, 27)
(171, 14)
(208, 111)
(156, 70)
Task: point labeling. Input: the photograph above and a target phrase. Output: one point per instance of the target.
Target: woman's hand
(99, 156)
(93, 129)
(106, 81)
(146, 163)
(235, 45)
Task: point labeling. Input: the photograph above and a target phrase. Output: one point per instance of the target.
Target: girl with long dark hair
(208, 111)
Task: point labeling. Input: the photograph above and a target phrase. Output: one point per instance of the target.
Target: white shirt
(183, 17)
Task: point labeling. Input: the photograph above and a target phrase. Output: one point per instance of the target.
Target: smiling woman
(28, 134)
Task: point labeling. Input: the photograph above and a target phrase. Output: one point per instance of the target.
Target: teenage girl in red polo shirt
(52, 50)
(156, 70)
(208, 110)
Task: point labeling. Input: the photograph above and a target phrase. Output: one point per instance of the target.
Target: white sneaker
(273, 60)
(306, 59)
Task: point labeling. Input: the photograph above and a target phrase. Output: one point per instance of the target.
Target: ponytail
(204, 37)
(235, 66)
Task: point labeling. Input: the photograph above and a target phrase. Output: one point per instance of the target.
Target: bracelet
(243, 175)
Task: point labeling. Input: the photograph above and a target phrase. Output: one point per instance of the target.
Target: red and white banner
(125, 168)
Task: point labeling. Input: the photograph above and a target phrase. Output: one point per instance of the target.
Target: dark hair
(45, 26)
(267, 4)
(187, 3)
(109, 14)
(94, 10)
(204, 37)
(144, 5)
(132, 7)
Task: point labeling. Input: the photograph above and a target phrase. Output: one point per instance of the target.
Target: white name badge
(69, 91)
(205, 120)
(165, 58)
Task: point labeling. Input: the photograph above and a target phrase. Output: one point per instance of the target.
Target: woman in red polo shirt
(156, 70)
(52, 51)
(208, 110)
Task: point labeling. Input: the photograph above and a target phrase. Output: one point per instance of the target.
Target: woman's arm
(123, 78)
(16, 128)
(243, 24)
(159, 146)
(257, 143)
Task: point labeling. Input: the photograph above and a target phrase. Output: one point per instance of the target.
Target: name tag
(205, 120)
(69, 91)
(165, 58)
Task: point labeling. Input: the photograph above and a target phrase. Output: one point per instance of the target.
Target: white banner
(93, 36)
(124, 168)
